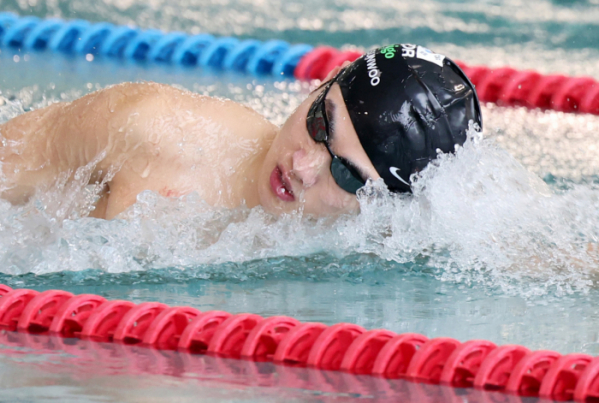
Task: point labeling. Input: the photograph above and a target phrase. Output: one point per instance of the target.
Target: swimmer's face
(296, 172)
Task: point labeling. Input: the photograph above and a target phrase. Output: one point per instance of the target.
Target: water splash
(477, 216)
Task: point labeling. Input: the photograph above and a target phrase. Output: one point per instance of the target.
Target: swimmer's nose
(307, 166)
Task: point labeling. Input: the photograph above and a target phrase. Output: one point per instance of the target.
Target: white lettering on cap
(420, 52)
(373, 71)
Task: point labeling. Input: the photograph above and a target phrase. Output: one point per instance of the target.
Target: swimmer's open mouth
(280, 185)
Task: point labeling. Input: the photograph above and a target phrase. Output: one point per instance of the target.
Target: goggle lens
(345, 175)
(316, 121)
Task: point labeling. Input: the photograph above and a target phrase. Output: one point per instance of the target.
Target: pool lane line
(79, 37)
(283, 340)
(503, 86)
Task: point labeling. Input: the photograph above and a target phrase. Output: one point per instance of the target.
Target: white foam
(476, 216)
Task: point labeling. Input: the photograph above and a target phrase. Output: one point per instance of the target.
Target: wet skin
(136, 137)
(305, 164)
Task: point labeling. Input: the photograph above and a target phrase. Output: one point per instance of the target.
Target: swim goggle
(344, 172)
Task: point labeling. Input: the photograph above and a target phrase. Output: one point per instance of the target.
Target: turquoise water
(493, 244)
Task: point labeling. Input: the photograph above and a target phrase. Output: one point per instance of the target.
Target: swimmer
(386, 115)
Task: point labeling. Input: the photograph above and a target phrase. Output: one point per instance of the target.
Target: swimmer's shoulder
(164, 96)
(151, 101)
(129, 95)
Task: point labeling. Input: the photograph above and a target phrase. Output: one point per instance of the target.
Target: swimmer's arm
(24, 154)
(38, 147)
(150, 136)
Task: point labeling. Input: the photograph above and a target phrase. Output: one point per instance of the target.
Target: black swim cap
(405, 103)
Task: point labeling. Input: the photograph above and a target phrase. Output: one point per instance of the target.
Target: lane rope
(80, 37)
(283, 340)
(503, 86)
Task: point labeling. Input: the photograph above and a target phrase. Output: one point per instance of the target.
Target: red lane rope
(504, 86)
(283, 340)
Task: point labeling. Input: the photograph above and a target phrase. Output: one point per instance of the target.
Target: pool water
(494, 243)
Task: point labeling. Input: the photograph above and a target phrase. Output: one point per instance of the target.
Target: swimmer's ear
(334, 72)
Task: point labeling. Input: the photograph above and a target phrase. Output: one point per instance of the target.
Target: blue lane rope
(80, 37)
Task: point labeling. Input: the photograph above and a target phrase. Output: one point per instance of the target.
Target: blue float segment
(288, 61)
(15, 35)
(165, 47)
(139, 47)
(190, 50)
(6, 20)
(238, 57)
(264, 58)
(67, 36)
(215, 53)
(8, 17)
(107, 40)
(92, 38)
(39, 36)
(114, 45)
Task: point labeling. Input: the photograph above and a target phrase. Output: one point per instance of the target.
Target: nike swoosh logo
(393, 171)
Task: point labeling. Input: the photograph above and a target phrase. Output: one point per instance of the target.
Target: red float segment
(568, 97)
(72, 315)
(461, 64)
(103, 321)
(476, 74)
(561, 378)
(339, 59)
(590, 101)
(496, 369)
(134, 324)
(511, 368)
(199, 332)
(330, 347)
(12, 305)
(428, 362)
(39, 312)
(295, 348)
(528, 374)
(517, 89)
(463, 364)
(507, 86)
(230, 335)
(312, 65)
(394, 358)
(361, 354)
(490, 87)
(542, 93)
(165, 330)
(263, 340)
(587, 388)
(4, 289)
